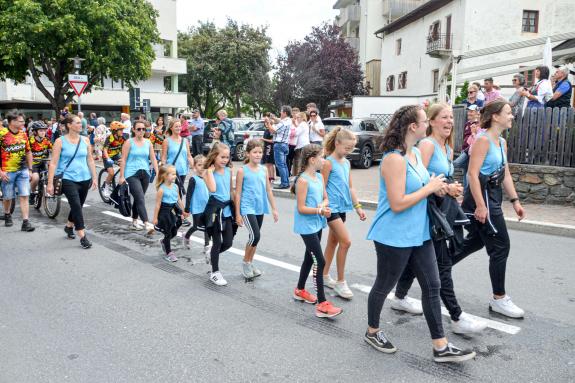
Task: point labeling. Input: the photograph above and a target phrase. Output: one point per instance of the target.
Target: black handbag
(59, 177)
(438, 225)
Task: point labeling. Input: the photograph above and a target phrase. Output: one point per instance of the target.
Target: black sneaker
(85, 243)
(27, 226)
(70, 232)
(452, 354)
(380, 342)
(8, 220)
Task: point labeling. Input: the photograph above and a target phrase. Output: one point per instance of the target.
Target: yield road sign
(78, 82)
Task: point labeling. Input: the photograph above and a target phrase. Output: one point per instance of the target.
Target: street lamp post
(77, 66)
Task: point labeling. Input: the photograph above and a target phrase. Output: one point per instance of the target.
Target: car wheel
(240, 152)
(365, 157)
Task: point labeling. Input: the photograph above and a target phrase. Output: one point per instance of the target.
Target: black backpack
(120, 199)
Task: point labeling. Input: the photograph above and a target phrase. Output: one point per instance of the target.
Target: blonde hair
(162, 173)
(302, 115)
(198, 158)
(214, 153)
(432, 114)
(251, 145)
(173, 122)
(338, 134)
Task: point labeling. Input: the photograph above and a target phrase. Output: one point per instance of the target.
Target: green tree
(462, 93)
(114, 37)
(230, 64)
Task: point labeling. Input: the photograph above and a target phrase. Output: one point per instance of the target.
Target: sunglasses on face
(140, 129)
(312, 115)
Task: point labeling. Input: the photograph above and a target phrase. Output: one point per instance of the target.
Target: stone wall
(544, 184)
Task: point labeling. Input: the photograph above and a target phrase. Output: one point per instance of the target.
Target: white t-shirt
(544, 91)
(318, 125)
(302, 135)
(127, 126)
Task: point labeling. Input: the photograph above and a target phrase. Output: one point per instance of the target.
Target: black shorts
(109, 162)
(335, 216)
(268, 154)
(38, 168)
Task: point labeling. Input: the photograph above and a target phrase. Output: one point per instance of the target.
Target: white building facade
(419, 49)
(111, 98)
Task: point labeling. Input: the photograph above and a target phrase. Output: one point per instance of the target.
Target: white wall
(365, 106)
(371, 20)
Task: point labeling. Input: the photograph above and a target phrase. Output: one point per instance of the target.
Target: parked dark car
(240, 125)
(255, 129)
(369, 138)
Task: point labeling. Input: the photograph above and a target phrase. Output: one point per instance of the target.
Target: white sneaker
(505, 306)
(467, 325)
(207, 248)
(107, 190)
(150, 228)
(218, 279)
(343, 290)
(257, 272)
(136, 226)
(328, 281)
(406, 304)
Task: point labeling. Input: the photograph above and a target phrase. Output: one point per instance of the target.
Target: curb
(526, 225)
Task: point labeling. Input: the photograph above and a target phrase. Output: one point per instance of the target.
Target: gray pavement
(119, 313)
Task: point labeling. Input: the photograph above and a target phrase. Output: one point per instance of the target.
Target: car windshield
(348, 124)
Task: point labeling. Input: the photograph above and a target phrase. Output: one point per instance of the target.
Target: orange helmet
(116, 125)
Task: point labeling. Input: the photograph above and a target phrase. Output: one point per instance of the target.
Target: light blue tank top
(78, 170)
(200, 196)
(337, 187)
(495, 157)
(181, 163)
(223, 189)
(170, 193)
(310, 223)
(138, 158)
(439, 163)
(410, 227)
(254, 193)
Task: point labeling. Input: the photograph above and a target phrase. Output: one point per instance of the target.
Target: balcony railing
(393, 9)
(349, 14)
(354, 42)
(439, 44)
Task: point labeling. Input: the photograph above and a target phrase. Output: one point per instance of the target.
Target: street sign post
(78, 82)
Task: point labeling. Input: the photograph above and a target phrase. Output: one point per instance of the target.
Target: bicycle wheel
(38, 196)
(51, 204)
(102, 176)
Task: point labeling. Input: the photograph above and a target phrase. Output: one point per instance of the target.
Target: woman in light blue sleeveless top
(170, 194)
(78, 174)
(200, 196)
(400, 231)
(170, 149)
(137, 154)
(488, 175)
(310, 223)
(337, 186)
(254, 199)
(222, 192)
(441, 162)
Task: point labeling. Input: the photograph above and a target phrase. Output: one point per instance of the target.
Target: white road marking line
(65, 200)
(510, 329)
(363, 288)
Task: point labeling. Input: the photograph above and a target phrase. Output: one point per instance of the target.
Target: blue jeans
(20, 180)
(281, 151)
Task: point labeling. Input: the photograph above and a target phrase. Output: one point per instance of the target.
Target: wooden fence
(539, 136)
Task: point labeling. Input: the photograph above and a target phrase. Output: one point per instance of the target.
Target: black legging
(197, 219)
(222, 240)
(182, 185)
(76, 193)
(391, 262)
(254, 224)
(313, 257)
(290, 158)
(138, 184)
(444, 257)
(497, 247)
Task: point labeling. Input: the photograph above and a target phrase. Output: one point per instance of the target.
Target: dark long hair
(397, 130)
(494, 107)
(307, 152)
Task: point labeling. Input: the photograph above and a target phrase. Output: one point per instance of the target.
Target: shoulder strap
(74, 156)
(179, 151)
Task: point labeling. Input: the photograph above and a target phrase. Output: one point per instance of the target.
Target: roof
(565, 45)
(416, 14)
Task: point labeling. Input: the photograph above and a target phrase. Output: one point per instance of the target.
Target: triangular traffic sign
(78, 86)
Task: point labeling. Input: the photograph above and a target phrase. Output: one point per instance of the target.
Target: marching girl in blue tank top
(253, 197)
(197, 196)
(311, 211)
(167, 200)
(176, 152)
(487, 175)
(137, 154)
(401, 234)
(339, 143)
(219, 182)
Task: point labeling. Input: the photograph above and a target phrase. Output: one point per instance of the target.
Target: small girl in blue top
(311, 211)
(337, 178)
(167, 200)
(197, 196)
(253, 195)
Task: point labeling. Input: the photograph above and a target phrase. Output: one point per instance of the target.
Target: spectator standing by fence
(562, 91)
(517, 100)
(197, 129)
(281, 148)
(541, 91)
(472, 96)
(491, 93)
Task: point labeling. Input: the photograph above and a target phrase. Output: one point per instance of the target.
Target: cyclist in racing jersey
(40, 146)
(112, 152)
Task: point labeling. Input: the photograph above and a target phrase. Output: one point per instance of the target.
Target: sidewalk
(545, 219)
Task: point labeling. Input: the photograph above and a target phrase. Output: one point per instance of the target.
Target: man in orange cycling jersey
(112, 151)
(40, 146)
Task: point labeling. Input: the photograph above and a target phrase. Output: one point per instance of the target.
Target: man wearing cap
(197, 129)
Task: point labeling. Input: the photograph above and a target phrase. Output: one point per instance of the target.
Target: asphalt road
(119, 313)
